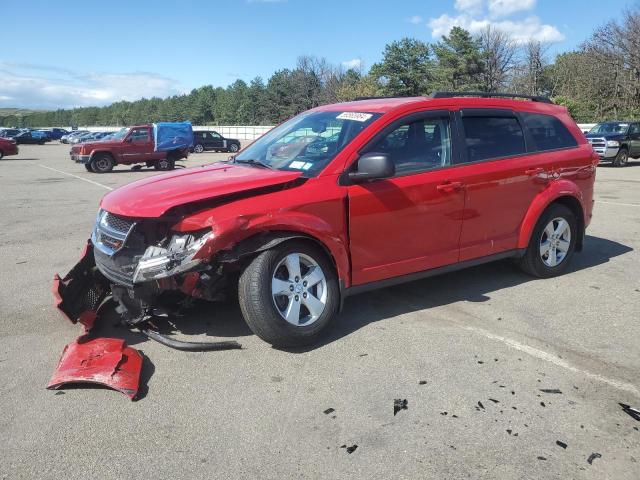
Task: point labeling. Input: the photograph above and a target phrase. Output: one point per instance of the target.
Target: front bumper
(80, 158)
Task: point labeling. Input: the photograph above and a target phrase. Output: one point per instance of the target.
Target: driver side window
(418, 146)
(139, 135)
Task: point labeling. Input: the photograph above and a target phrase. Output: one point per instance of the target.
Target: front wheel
(552, 243)
(102, 163)
(289, 295)
(622, 158)
(88, 168)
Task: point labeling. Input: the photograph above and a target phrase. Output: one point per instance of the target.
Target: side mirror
(373, 166)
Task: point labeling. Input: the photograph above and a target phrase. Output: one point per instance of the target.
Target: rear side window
(492, 137)
(548, 132)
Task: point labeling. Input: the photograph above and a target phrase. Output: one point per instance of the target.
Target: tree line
(599, 80)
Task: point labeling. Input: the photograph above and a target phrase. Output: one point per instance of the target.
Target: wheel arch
(103, 152)
(564, 193)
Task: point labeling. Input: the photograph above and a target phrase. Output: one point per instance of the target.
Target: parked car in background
(210, 140)
(79, 138)
(136, 145)
(57, 133)
(8, 147)
(414, 187)
(68, 137)
(10, 132)
(31, 137)
(615, 142)
(96, 136)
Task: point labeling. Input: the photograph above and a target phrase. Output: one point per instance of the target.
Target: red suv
(342, 199)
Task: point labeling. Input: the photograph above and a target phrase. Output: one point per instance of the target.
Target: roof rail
(533, 98)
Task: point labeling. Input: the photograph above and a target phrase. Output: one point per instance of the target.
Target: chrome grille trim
(110, 232)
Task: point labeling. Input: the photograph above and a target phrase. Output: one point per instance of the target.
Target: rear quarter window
(548, 132)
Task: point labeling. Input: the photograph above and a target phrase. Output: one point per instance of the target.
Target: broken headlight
(177, 257)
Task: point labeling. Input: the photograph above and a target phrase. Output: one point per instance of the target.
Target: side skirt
(366, 287)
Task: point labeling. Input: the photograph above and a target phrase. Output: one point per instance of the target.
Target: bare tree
(499, 51)
(530, 72)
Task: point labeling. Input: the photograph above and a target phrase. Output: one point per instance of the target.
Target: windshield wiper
(253, 162)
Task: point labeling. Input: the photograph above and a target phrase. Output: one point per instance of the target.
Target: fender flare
(97, 152)
(556, 191)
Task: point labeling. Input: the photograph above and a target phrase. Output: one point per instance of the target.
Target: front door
(410, 222)
(138, 146)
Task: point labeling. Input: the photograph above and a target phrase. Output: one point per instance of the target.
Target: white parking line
(550, 357)
(618, 203)
(76, 176)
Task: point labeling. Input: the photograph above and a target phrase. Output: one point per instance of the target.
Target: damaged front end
(139, 264)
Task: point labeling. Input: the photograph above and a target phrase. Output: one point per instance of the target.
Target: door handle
(449, 187)
(534, 171)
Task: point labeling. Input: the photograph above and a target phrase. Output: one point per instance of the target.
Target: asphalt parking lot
(471, 352)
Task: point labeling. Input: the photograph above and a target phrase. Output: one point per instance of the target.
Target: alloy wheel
(299, 289)
(555, 242)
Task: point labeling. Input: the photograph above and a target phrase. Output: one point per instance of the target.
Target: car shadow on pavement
(471, 284)
(224, 319)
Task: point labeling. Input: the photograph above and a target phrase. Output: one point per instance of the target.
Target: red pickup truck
(8, 147)
(128, 146)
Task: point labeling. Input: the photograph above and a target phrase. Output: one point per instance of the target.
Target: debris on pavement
(592, 457)
(399, 404)
(542, 404)
(542, 458)
(350, 449)
(561, 444)
(101, 361)
(329, 410)
(493, 400)
(480, 405)
(422, 382)
(551, 390)
(632, 412)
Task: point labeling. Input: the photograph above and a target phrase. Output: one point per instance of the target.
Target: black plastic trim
(366, 287)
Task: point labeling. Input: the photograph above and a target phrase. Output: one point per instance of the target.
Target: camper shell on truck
(158, 145)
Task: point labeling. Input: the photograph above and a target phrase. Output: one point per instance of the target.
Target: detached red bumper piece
(101, 361)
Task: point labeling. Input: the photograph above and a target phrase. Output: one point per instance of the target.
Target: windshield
(610, 127)
(307, 142)
(119, 135)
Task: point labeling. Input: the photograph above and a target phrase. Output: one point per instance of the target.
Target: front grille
(117, 223)
(111, 232)
(599, 145)
(118, 269)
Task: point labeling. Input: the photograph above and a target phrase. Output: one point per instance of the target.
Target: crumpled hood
(153, 196)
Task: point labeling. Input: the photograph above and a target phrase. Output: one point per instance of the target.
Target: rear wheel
(198, 148)
(102, 163)
(289, 295)
(165, 164)
(233, 148)
(552, 243)
(622, 158)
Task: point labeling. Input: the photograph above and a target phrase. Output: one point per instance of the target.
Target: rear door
(411, 222)
(500, 178)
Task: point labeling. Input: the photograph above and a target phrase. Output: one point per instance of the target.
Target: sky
(85, 53)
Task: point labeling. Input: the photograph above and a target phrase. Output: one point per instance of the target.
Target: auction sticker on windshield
(355, 116)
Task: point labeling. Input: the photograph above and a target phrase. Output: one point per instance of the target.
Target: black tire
(532, 262)
(102, 163)
(622, 158)
(165, 164)
(87, 166)
(258, 305)
(198, 148)
(234, 147)
(1, 154)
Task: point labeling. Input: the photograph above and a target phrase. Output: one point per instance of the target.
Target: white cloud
(504, 8)
(476, 15)
(416, 19)
(522, 30)
(355, 63)
(469, 7)
(38, 86)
